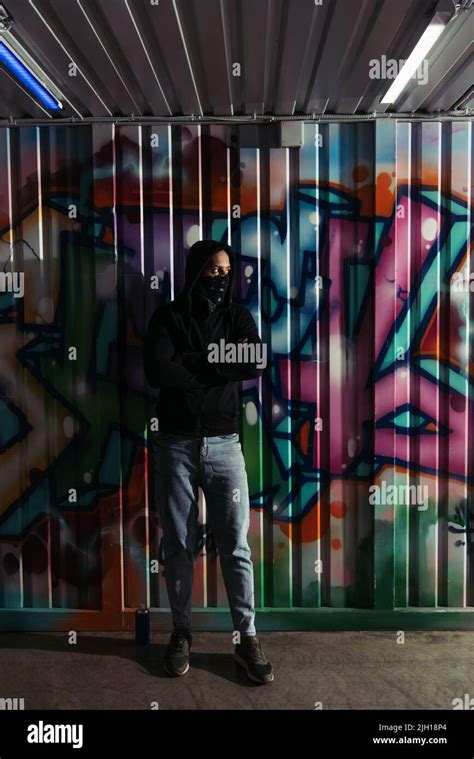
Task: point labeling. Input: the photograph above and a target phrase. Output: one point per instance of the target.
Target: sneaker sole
(243, 663)
(175, 674)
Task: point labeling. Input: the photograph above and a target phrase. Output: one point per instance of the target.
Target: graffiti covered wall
(355, 258)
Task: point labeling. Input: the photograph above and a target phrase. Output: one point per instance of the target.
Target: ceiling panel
(179, 58)
(16, 100)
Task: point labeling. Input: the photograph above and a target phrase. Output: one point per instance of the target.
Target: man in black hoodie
(198, 348)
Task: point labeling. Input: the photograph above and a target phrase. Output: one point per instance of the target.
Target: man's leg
(176, 466)
(224, 482)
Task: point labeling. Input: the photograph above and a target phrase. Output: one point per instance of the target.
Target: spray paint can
(142, 626)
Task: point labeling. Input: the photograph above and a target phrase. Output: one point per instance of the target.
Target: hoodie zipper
(206, 337)
(203, 392)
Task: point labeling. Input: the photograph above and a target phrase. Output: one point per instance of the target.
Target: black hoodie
(198, 398)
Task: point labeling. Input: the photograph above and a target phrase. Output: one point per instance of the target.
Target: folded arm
(164, 367)
(253, 362)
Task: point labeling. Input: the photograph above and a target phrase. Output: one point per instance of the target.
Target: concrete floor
(343, 670)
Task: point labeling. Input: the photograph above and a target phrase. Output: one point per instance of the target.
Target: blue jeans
(217, 465)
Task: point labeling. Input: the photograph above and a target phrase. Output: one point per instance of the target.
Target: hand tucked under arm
(163, 366)
(250, 362)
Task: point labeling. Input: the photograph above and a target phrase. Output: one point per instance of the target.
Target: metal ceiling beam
(459, 115)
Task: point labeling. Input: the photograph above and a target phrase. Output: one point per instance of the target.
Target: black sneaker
(249, 654)
(176, 660)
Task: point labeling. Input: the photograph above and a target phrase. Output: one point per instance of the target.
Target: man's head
(209, 273)
(218, 265)
(214, 280)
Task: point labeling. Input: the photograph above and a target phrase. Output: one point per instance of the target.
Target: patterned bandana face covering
(213, 288)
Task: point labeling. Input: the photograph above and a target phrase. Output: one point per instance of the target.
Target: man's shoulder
(237, 309)
(165, 310)
(240, 311)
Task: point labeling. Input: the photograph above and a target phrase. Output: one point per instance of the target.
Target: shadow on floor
(149, 657)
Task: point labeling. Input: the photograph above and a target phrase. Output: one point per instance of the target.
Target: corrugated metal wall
(347, 250)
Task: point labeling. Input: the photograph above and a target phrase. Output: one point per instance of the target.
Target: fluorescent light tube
(416, 57)
(19, 70)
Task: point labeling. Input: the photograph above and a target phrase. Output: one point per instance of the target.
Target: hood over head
(198, 256)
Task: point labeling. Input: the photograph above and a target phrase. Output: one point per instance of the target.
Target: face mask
(212, 288)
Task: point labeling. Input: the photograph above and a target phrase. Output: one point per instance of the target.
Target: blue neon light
(21, 72)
